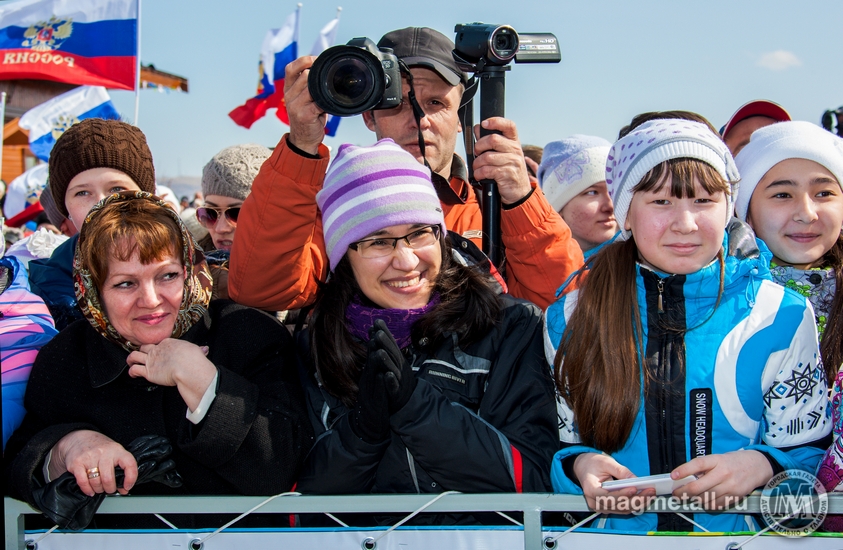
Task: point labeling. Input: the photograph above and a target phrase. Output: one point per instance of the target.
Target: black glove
(149, 452)
(63, 502)
(398, 373)
(369, 419)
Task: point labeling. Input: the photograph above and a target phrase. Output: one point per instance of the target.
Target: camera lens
(503, 43)
(346, 80)
(350, 81)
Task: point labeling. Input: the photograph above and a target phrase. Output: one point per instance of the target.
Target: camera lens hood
(346, 80)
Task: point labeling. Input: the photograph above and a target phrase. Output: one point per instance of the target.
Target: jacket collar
(443, 187)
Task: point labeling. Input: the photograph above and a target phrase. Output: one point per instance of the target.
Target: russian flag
(280, 46)
(326, 39)
(91, 42)
(49, 120)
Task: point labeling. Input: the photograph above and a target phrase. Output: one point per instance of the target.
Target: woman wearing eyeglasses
(226, 182)
(420, 375)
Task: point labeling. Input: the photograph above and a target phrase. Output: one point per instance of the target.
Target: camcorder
(480, 44)
(357, 77)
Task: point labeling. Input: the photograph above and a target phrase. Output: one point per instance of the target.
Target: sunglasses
(208, 215)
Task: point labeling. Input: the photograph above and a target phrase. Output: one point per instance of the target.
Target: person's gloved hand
(369, 419)
(63, 502)
(150, 452)
(398, 373)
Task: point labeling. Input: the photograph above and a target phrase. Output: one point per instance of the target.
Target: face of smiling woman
(142, 300)
(403, 279)
(797, 210)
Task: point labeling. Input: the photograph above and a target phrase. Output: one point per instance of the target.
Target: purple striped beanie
(369, 188)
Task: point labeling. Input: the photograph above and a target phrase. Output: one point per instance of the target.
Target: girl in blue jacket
(659, 354)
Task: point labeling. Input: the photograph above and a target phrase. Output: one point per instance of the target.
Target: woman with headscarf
(153, 357)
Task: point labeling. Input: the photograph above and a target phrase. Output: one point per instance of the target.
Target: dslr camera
(348, 80)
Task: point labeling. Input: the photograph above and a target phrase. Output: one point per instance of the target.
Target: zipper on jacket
(661, 290)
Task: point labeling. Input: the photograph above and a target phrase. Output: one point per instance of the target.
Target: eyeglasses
(383, 246)
(208, 215)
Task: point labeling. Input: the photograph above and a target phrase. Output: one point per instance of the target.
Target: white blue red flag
(49, 120)
(91, 42)
(280, 46)
(327, 37)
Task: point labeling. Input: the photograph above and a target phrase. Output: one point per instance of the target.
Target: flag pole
(339, 10)
(298, 25)
(138, 74)
(3, 118)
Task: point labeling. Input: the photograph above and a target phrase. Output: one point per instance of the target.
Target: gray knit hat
(231, 172)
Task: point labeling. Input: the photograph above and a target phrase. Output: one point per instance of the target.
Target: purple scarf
(359, 319)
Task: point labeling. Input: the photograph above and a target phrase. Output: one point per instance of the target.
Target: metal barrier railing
(531, 505)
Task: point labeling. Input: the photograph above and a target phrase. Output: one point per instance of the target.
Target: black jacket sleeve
(257, 421)
(341, 463)
(508, 444)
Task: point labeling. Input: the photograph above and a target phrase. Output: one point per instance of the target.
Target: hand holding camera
(307, 119)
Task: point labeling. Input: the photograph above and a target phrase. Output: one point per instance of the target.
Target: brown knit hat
(98, 143)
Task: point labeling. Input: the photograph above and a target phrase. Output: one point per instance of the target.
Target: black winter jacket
(481, 419)
(252, 440)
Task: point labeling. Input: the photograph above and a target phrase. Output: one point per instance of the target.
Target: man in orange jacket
(279, 254)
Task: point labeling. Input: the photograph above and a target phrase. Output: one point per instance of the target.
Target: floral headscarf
(197, 283)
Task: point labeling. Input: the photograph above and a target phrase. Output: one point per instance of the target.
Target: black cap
(425, 47)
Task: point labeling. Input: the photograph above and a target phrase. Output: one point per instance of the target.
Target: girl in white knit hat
(791, 195)
(572, 175)
(677, 354)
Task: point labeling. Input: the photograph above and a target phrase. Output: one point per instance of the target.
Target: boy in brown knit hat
(93, 159)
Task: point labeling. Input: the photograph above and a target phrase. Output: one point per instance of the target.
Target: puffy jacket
(279, 254)
(25, 326)
(481, 419)
(760, 332)
(52, 279)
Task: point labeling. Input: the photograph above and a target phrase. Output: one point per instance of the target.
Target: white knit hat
(654, 142)
(571, 166)
(772, 144)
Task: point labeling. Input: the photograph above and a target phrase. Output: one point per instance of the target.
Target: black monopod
(486, 50)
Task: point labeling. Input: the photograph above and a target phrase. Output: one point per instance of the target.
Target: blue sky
(618, 59)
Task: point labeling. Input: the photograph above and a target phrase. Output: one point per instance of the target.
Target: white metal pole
(138, 75)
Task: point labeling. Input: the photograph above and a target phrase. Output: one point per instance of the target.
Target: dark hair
(831, 347)
(602, 382)
(638, 120)
(468, 306)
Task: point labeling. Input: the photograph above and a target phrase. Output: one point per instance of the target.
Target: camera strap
(466, 116)
(418, 112)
